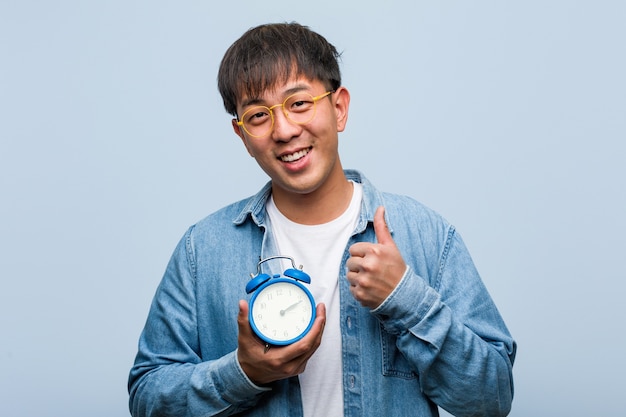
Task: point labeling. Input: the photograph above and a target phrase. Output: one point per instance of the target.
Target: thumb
(380, 228)
(242, 318)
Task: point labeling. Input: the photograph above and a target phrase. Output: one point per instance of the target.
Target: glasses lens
(257, 121)
(300, 108)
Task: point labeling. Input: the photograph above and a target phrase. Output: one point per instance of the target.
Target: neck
(317, 207)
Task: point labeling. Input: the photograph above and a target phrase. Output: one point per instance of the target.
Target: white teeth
(294, 156)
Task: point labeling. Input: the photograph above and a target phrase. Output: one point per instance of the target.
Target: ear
(239, 132)
(342, 105)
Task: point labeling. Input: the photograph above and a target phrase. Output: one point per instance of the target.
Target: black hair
(268, 54)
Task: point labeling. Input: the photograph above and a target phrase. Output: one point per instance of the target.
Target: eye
(256, 116)
(300, 103)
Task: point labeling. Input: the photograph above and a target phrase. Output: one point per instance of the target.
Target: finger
(315, 334)
(357, 249)
(242, 319)
(383, 236)
(356, 252)
(243, 310)
(309, 344)
(320, 316)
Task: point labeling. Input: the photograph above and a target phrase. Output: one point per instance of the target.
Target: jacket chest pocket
(393, 361)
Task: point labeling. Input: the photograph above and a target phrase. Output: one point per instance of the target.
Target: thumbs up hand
(375, 269)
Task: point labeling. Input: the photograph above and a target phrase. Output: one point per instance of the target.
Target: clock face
(282, 311)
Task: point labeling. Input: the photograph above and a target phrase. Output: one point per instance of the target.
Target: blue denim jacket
(438, 339)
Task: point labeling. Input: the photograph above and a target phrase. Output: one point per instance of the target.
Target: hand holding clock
(279, 362)
(374, 270)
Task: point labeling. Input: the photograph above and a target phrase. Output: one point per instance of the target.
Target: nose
(284, 129)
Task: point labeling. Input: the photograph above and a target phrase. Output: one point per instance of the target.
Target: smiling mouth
(295, 156)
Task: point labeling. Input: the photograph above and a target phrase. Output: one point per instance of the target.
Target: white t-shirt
(319, 249)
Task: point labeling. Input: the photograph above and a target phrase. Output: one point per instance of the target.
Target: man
(403, 322)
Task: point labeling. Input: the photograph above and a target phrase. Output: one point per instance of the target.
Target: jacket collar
(254, 207)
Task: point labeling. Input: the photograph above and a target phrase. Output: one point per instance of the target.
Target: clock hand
(282, 312)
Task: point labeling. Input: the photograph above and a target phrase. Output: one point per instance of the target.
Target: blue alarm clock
(282, 309)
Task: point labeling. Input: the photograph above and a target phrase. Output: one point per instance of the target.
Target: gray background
(506, 117)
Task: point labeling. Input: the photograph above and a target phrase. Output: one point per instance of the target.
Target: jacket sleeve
(169, 378)
(453, 335)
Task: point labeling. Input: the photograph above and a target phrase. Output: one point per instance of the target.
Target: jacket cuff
(407, 304)
(236, 387)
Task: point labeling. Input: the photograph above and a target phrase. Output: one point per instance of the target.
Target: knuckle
(293, 369)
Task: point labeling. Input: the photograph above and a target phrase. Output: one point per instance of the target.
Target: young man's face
(299, 158)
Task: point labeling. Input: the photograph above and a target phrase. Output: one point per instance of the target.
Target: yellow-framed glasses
(299, 108)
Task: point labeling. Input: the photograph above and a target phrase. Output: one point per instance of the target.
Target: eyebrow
(258, 101)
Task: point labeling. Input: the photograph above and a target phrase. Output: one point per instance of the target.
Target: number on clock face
(282, 311)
